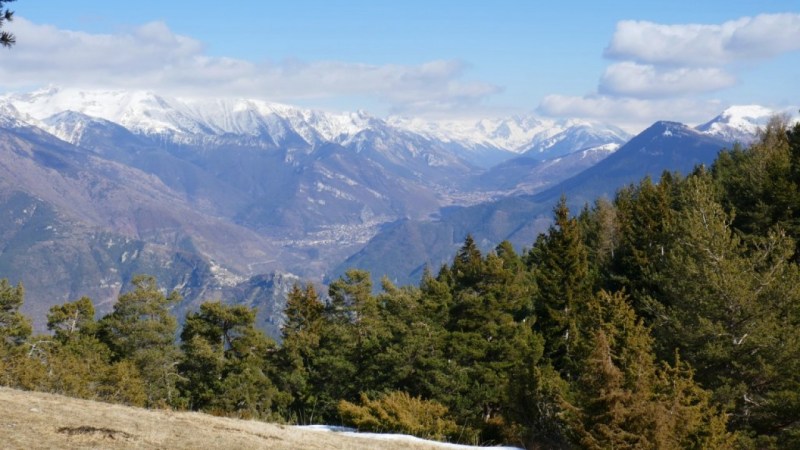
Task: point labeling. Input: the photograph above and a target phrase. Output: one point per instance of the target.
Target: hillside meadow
(30, 420)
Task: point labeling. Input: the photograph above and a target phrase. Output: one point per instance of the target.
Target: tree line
(667, 317)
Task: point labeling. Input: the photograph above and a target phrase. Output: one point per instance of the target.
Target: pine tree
(644, 217)
(466, 267)
(226, 364)
(297, 357)
(72, 319)
(6, 15)
(141, 330)
(14, 327)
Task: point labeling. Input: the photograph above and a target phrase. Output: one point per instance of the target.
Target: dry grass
(33, 420)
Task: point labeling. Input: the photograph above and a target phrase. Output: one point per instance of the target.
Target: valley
(211, 195)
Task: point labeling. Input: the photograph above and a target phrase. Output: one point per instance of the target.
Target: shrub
(401, 413)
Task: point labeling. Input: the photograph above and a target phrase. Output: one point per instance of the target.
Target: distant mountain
(578, 135)
(241, 198)
(527, 175)
(537, 138)
(737, 123)
(402, 250)
(670, 146)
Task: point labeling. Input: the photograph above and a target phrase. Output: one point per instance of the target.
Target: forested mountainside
(666, 317)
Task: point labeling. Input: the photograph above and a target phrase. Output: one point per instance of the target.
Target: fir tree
(562, 277)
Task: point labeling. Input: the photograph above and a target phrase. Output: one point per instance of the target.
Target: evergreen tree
(561, 273)
(14, 327)
(732, 311)
(72, 319)
(490, 341)
(141, 330)
(226, 364)
(644, 217)
(761, 184)
(6, 15)
(466, 267)
(622, 399)
(300, 343)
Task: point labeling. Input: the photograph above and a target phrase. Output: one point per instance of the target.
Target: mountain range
(239, 199)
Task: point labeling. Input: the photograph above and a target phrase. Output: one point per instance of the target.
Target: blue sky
(625, 62)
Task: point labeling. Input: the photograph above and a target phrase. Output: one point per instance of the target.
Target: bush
(400, 413)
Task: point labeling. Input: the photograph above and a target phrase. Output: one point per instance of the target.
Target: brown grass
(33, 420)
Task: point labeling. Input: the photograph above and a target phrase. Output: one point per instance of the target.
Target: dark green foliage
(6, 15)
(70, 320)
(142, 330)
(301, 338)
(760, 186)
(623, 399)
(226, 367)
(14, 327)
(644, 217)
(560, 267)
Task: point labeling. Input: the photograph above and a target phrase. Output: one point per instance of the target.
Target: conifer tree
(466, 267)
(644, 217)
(623, 399)
(6, 15)
(300, 343)
(562, 277)
(733, 313)
(71, 319)
(14, 326)
(225, 365)
(141, 329)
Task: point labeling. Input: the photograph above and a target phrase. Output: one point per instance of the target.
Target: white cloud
(647, 81)
(748, 38)
(664, 69)
(631, 114)
(152, 57)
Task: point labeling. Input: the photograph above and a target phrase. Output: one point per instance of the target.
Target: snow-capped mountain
(256, 123)
(738, 123)
(513, 134)
(540, 138)
(193, 121)
(578, 135)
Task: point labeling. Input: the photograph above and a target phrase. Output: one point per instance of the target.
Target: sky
(627, 63)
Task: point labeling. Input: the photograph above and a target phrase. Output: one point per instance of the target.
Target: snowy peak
(193, 121)
(518, 134)
(577, 135)
(257, 123)
(738, 123)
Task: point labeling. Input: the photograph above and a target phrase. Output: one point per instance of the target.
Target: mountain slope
(402, 250)
(77, 224)
(39, 420)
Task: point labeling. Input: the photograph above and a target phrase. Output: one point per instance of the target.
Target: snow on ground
(395, 437)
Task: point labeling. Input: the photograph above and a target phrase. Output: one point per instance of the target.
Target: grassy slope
(36, 420)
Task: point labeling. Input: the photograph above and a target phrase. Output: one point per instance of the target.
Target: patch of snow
(739, 123)
(395, 437)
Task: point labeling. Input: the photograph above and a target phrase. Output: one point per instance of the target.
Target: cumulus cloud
(153, 57)
(631, 114)
(665, 71)
(645, 80)
(748, 38)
